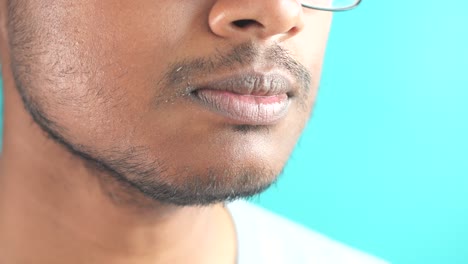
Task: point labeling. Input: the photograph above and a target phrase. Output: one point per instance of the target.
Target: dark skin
(106, 159)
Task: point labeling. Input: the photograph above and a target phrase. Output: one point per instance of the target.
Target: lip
(250, 98)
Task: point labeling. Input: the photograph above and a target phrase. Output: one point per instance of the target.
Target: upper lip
(252, 83)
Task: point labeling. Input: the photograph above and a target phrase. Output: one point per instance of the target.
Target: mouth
(248, 98)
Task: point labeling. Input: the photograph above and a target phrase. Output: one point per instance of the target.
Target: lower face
(113, 80)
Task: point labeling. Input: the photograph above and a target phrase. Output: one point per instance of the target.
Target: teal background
(383, 164)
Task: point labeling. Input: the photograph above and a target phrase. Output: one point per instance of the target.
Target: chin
(213, 185)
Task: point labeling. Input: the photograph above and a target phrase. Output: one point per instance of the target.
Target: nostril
(243, 23)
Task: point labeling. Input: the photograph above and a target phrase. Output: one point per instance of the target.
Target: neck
(56, 209)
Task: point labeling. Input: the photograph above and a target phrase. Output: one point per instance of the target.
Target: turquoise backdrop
(383, 164)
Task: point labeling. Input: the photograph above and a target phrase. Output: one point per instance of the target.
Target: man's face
(188, 101)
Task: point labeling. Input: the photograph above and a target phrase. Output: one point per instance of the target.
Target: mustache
(184, 73)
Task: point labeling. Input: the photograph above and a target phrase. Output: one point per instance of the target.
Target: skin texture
(106, 158)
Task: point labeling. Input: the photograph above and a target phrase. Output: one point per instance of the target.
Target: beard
(127, 177)
(133, 171)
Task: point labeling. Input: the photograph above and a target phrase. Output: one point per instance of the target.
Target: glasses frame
(333, 9)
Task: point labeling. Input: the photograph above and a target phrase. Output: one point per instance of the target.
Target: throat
(64, 216)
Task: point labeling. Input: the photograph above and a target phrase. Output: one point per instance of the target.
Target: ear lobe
(3, 30)
(4, 41)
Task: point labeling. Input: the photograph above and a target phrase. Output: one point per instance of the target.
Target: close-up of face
(188, 102)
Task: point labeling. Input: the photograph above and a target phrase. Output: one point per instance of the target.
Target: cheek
(310, 44)
(93, 77)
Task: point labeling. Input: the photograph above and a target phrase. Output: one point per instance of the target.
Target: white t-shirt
(266, 238)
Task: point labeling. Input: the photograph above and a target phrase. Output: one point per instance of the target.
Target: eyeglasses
(331, 5)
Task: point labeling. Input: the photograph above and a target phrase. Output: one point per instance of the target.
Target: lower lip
(245, 109)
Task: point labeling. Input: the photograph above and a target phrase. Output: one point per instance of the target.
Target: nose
(256, 19)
